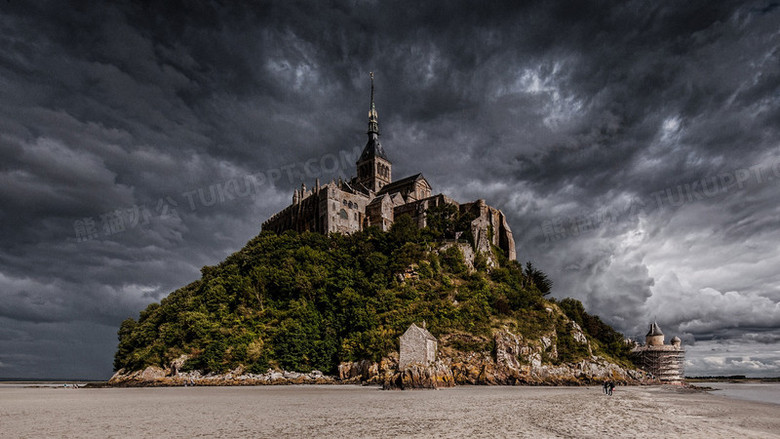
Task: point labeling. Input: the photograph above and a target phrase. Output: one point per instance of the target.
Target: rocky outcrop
(420, 376)
(154, 376)
(359, 372)
(489, 229)
(386, 374)
(465, 249)
(513, 361)
(507, 358)
(516, 360)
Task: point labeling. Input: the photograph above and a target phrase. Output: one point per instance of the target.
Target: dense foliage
(612, 341)
(310, 301)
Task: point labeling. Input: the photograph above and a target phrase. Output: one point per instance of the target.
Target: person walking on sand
(611, 387)
(605, 386)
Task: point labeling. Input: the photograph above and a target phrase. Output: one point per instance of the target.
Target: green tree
(310, 301)
(538, 278)
(442, 220)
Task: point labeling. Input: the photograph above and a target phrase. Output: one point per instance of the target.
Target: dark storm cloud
(583, 116)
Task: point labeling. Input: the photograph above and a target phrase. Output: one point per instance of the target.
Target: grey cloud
(731, 357)
(547, 110)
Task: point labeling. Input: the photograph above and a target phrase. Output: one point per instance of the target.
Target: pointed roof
(654, 330)
(378, 200)
(397, 199)
(424, 332)
(373, 148)
(398, 184)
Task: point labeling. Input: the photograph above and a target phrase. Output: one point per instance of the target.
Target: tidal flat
(354, 411)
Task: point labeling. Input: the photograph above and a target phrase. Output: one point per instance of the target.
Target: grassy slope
(309, 301)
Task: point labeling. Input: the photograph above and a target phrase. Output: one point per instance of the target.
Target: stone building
(665, 361)
(417, 346)
(373, 198)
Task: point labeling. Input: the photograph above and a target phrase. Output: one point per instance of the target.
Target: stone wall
(329, 209)
(416, 348)
(344, 211)
(489, 229)
(303, 215)
(380, 212)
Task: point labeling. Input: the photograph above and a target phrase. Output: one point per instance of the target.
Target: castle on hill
(372, 198)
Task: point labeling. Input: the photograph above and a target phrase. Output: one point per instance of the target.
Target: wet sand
(352, 411)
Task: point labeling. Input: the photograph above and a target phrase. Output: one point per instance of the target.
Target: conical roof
(654, 330)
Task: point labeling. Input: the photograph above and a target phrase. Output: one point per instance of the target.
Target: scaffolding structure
(667, 363)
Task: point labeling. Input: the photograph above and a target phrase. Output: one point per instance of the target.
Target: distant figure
(611, 387)
(605, 387)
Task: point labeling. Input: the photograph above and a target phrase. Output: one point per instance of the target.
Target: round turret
(654, 337)
(676, 342)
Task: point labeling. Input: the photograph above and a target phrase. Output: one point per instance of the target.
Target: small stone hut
(666, 362)
(417, 346)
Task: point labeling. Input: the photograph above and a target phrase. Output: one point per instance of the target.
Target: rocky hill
(310, 308)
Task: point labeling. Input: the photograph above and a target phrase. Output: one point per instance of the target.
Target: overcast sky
(634, 146)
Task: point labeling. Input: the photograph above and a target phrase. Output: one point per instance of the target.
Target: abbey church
(372, 198)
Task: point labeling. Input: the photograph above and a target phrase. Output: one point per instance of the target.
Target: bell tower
(374, 170)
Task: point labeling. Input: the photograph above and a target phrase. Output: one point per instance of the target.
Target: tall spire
(373, 118)
(374, 170)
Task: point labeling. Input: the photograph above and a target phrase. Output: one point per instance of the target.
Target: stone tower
(654, 336)
(666, 362)
(374, 170)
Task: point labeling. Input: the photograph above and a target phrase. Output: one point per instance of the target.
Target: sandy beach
(352, 411)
